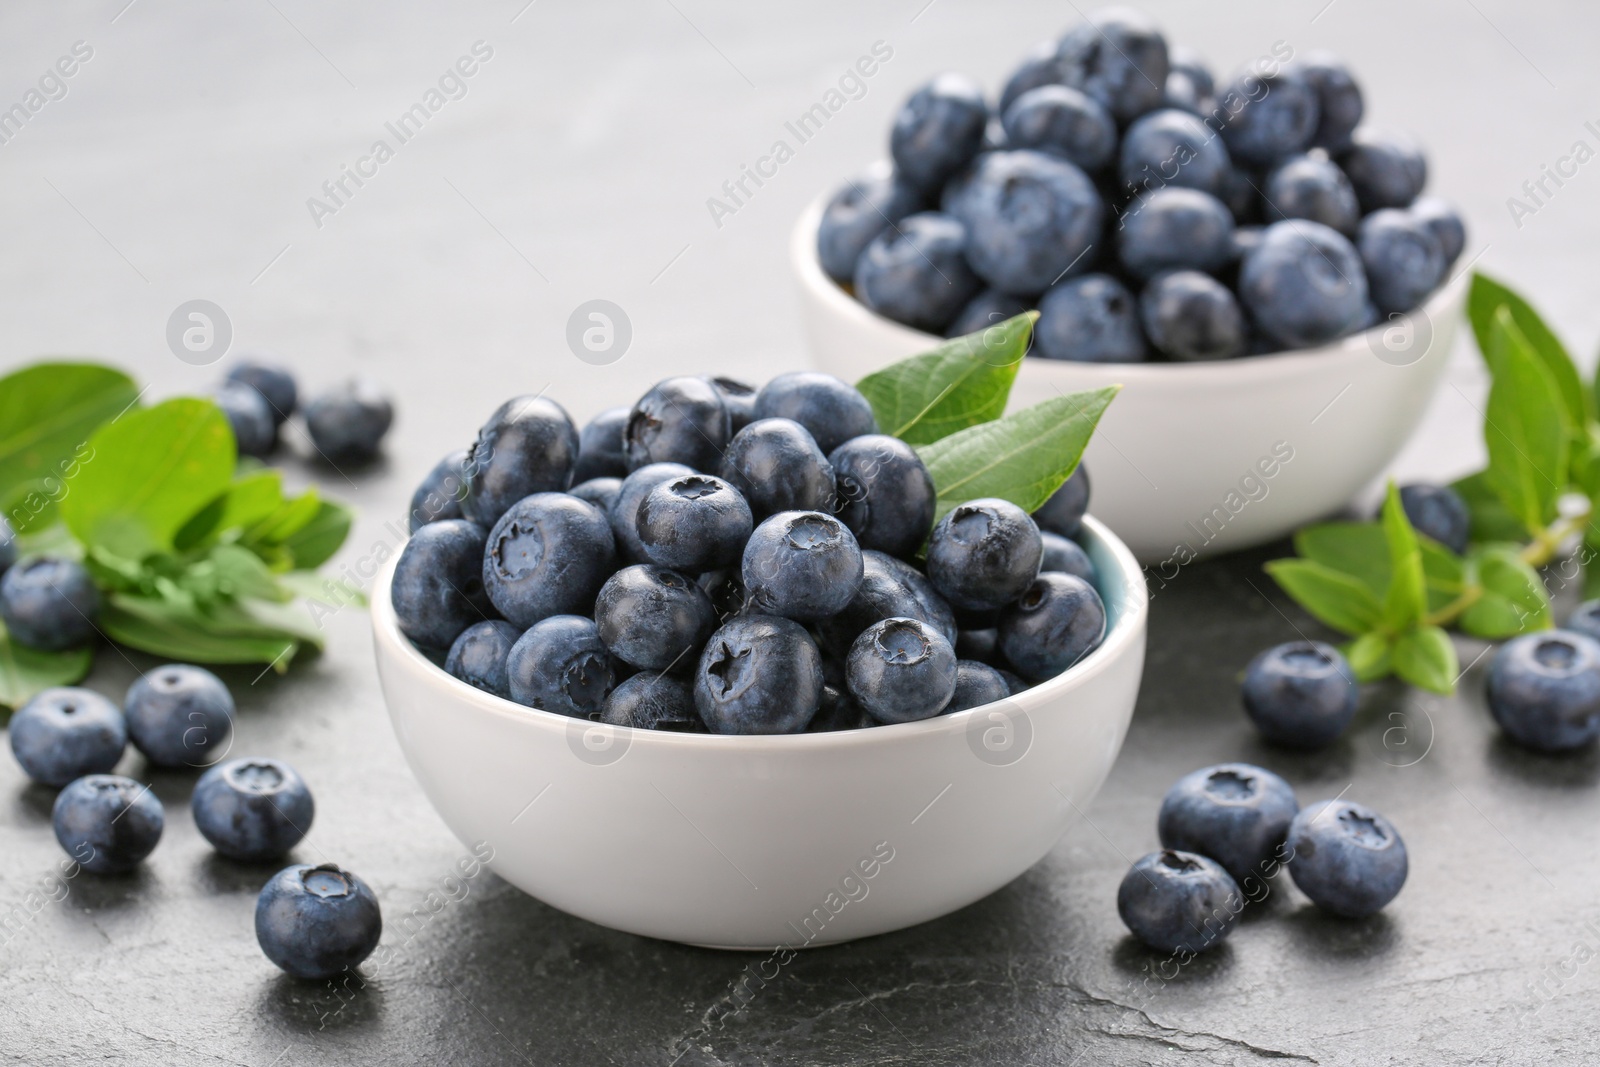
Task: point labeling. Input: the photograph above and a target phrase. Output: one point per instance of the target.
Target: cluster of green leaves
(948, 404)
(199, 555)
(1393, 590)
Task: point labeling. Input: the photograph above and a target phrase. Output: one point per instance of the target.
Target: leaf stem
(1548, 541)
(1456, 608)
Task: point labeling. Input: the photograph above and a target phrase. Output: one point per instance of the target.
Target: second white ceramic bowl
(762, 842)
(1197, 458)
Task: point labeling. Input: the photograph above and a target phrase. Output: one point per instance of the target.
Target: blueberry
(275, 384)
(1437, 511)
(1303, 284)
(561, 665)
(1181, 93)
(1444, 222)
(1544, 690)
(759, 675)
(1245, 240)
(654, 618)
(983, 554)
(548, 555)
(776, 465)
(1402, 258)
(1236, 813)
(249, 416)
(1309, 187)
(1241, 191)
(600, 450)
(885, 494)
(1276, 116)
(1055, 623)
(49, 603)
(1192, 316)
(440, 494)
(478, 656)
(1585, 619)
(1063, 512)
(8, 545)
(1173, 148)
(1346, 857)
(801, 565)
(438, 583)
(1179, 902)
(107, 823)
(1066, 556)
(652, 701)
(624, 512)
(1091, 319)
(252, 809)
(1117, 56)
(529, 445)
(740, 400)
(1189, 63)
(726, 590)
(917, 273)
(832, 411)
(862, 209)
(348, 423)
(1015, 681)
(694, 523)
(901, 670)
(1387, 169)
(889, 588)
(1062, 122)
(938, 130)
(1339, 104)
(1301, 694)
(601, 492)
(62, 734)
(1038, 68)
(977, 684)
(680, 420)
(989, 308)
(1030, 218)
(1174, 229)
(317, 922)
(837, 711)
(179, 715)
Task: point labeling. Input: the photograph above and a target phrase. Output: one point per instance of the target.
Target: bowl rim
(1286, 363)
(1128, 630)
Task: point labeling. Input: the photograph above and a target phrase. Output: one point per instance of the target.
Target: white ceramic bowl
(1180, 463)
(761, 842)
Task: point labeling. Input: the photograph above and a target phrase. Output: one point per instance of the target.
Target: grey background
(577, 167)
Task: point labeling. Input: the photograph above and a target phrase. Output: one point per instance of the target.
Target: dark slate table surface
(577, 166)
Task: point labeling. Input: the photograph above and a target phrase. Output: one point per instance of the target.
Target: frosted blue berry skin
(694, 523)
(901, 670)
(983, 554)
(1063, 512)
(561, 665)
(654, 618)
(439, 494)
(1172, 147)
(977, 684)
(1030, 219)
(624, 511)
(1057, 621)
(1439, 512)
(601, 492)
(252, 809)
(1346, 857)
(275, 383)
(1387, 169)
(759, 674)
(1403, 260)
(1062, 122)
(348, 423)
(600, 451)
(107, 823)
(938, 130)
(1174, 229)
(66, 733)
(249, 417)
(1303, 284)
(1190, 316)
(1092, 318)
(1544, 690)
(1236, 813)
(49, 603)
(801, 565)
(989, 308)
(862, 208)
(437, 590)
(1179, 902)
(1277, 116)
(529, 445)
(180, 715)
(1119, 57)
(889, 588)
(548, 555)
(775, 465)
(317, 922)
(680, 420)
(478, 656)
(1302, 694)
(917, 272)
(884, 493)
(1067, 556)
(1339, 100)
(653, 701)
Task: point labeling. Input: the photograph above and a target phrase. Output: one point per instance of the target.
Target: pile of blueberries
(312, 921)
(1226, 829)
(1146, 211)
(725, 559)
(346, 424)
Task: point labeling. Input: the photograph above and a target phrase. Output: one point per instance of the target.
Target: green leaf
(314, 544)
(1023, 457)
(250, 499)
(1425, 657)
(48, 412)
(1490, 521)
(150, 472)
(1484, 304)
(292, 516)
(1332, 597)
(231, 634)
(1369, 656)
(1358, 549)
(962, 383)
(1406, 600)
(1525, 427)
(1514, 599)
(26, 672)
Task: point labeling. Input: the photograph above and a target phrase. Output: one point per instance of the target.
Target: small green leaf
(26, 672)
(315, 543)
(1022, 457)
(149, 473)
(1514, 599)
(288, 519)
(1484, 304)
(234, 633)
(1424, 657)
(1406, 600)
(1490, 521)
(1332, 597)
(1369, 656)
(962, 383)
(251, 498)
(48, 412)
(1443, 573)
(1525, 428)
(1359, 549)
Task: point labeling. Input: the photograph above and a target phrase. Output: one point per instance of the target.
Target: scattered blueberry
(759, 675)
(801, 565)
(600, 449)
(347, 424)
(478, 656)
(1387, 169)
(1030, 218)
(1544, 690)
(776, 465)
(977, 684)
(1062, 122)
(63, 733)
(916, 272)
(983, 554)
(1236, 813)
(1311, 187)
(694, 523)
(1303, 284)
(601, 492)
(317, 922)
(1173, 148)
(275, 384)
(561, 665)
(901, 670)
(1191, 316)
(885, 494)
(1092, 319)
(1301, 694)
(249, 416)
(1179, 902)
(624, 513)
(107, 823)
(938, 130)
(1403, 260)
(1175, 229)
(49, 603)
(1278, 115)
(1057, 621)
(989, 308)
(1118, 57)
(441, 492)
(1339, 103)
(252, 809)
(1346, 857)
(1066, 556)
(529, 445)
(654, 618)
(1063, 512)
(1444, 222)
(1438, 512)
(438, 582)
(548, 555)
(680, 420)
(179, 715)
(863, 208)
